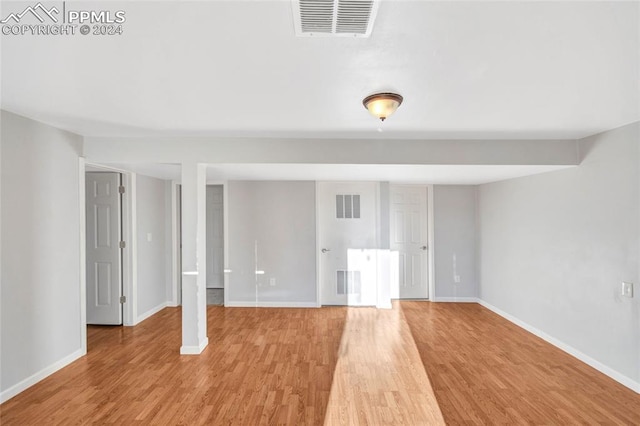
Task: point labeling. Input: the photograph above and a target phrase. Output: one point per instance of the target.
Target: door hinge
(123, 299)
(121, 189)
(123, 244)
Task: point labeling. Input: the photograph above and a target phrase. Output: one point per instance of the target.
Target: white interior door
(104, 259)
(347, 219)
(409, 239)
(215, 237)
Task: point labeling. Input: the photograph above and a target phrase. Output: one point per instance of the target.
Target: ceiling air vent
(334, 18)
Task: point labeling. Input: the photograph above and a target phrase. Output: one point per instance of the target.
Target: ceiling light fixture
(382, 105)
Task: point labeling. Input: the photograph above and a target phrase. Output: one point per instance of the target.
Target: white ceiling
(235, 68)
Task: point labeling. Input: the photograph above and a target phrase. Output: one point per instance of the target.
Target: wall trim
(431, 244)
(225, 237)
(239, 304)
(40, 375)
(176, 274)
(130, 260)
(318, 248)
(151, 312)
(456, 299)
(82, 215)
(194, 350)
(608, 371)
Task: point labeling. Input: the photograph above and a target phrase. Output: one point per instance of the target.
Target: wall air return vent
(334, 18)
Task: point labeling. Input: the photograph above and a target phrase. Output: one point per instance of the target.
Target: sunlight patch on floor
(379, 377)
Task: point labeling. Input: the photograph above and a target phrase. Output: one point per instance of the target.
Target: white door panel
(347, 214)
(104, 274)
(409, 239)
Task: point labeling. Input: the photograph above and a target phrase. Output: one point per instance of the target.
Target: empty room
(320, 212)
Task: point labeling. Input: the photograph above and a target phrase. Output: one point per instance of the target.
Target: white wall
(152, 260)
(40, 327)
(276, 221)
(455, 236)
(554, 249)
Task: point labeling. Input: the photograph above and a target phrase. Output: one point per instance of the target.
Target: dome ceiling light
(382, 105)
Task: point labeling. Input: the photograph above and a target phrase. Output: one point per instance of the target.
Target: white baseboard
(618, 377)
(172, 304)
(456, 299)
(271, 304)
(151, 312)
(40, 375)
(194, 350)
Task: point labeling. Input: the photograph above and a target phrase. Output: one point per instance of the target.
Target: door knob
(324, 250)
(423, 248)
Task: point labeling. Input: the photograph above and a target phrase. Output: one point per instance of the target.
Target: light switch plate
(627, 289)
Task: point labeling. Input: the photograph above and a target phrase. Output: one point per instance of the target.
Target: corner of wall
(615, 375)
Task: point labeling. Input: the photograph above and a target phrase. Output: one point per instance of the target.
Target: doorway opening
(216, 238)
(124, 264)
(176, 238)
(215, 245)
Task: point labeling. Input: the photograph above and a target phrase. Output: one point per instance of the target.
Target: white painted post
(194, 298)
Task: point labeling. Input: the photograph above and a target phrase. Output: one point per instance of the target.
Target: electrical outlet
(627, 289)
(272, 282)
(456, 279)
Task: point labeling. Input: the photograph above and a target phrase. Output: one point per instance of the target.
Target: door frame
(176, 275)
(318, 248)
(430, 236)
(129, 258)
(224, 251)
(225, 235)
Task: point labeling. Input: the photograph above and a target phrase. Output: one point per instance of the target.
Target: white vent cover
(334, 18)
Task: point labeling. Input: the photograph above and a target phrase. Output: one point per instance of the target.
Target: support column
(194, 297)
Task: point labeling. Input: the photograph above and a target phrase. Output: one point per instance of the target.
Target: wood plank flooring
(420, 363)
(379, 378)
(486, 370)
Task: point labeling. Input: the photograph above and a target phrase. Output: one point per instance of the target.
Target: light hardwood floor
(420, 363)
(486, 370)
